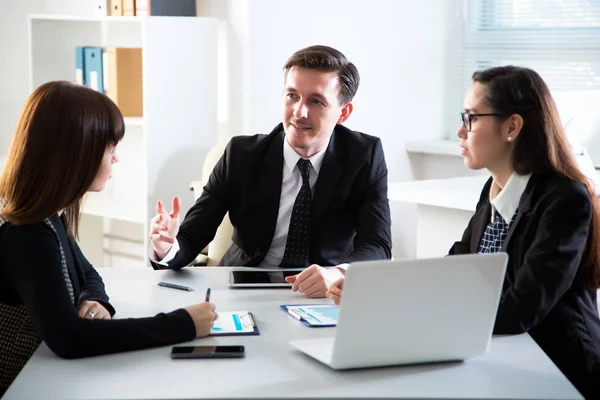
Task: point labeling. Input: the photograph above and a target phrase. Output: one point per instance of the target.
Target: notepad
(313, 315)
(234, 323)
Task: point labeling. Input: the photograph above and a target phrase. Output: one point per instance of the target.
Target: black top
(349, 217)
(31, 275)
(543, 292)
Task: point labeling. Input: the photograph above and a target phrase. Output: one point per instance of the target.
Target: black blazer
(350, 212)
(543, 293)
(35, 303)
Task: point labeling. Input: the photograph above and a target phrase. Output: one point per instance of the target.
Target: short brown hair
(542, 145)
(328, 59)
(56, 152)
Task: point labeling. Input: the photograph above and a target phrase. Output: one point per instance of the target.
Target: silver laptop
(413, 311)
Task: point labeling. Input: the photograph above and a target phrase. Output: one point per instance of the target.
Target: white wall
(231, 63)
(399, 47)
(14, 68)
(14, 83)
(400, 61)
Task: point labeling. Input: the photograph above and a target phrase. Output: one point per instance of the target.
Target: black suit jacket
(35, 302)
(543, 292)
(350, 212)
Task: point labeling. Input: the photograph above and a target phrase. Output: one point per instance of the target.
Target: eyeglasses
(466, 118)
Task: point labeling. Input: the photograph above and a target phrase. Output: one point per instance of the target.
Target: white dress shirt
(506, 201)
(290, 186)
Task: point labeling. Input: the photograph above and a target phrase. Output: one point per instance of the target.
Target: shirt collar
(506, 201)
(291, 157)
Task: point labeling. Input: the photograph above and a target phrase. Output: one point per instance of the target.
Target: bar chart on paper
(324, 315)
(234, 323)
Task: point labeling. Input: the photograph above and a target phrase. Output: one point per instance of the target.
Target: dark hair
(328, 59)
(541, 146)
(56, 152)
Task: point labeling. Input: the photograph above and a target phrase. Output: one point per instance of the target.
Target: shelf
(100, 18)
(180, 106)
(54, 37)
(456, 193)
(134, 121)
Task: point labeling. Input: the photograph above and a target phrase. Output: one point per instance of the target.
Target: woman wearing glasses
(63, 147)
(540, 209)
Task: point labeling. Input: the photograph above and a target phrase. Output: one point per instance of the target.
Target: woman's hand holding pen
(203, 315)
(164, 227)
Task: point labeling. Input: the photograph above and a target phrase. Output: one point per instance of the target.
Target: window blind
(560, 39)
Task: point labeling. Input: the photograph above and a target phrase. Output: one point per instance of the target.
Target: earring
(509, 138)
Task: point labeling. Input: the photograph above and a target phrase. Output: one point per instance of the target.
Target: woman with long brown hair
(541, 210)
(63, 147)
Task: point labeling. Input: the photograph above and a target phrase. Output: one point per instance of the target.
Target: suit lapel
(269, 187)
(482, 216)
(480, 223)
(326, 184)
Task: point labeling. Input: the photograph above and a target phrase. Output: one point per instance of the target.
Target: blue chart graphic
(237, 323)
(234, 322)
(318, 313)
(329, 312)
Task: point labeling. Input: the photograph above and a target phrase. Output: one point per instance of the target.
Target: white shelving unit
(163, 150)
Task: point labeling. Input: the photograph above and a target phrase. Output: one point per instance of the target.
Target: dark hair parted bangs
(542, 142)
(56, 152)
(542, 145)
(328, 59)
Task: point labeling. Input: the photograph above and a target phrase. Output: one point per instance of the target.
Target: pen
(207, 298)
(174, 286)
(295, 314)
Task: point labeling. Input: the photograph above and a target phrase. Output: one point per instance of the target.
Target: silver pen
(174, 286)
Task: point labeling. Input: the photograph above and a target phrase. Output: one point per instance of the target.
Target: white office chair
(218, 246)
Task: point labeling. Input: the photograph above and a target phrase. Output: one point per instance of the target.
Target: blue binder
(79, 66)
(313, 322)
(241, 321)
(92, 61)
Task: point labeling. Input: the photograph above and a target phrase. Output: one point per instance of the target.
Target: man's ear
(346, 111)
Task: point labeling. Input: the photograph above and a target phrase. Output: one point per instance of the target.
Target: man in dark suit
(311, 193)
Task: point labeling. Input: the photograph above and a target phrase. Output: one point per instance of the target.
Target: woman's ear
(514, 124)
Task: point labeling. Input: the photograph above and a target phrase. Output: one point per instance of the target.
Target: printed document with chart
(314, 315)
(234, 323)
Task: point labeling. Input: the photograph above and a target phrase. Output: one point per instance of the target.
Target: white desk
(514, 367)
(444, 208)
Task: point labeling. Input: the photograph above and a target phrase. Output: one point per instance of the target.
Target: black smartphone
(207, 352)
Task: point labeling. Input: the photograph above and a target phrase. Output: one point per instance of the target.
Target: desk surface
(457, 193)
(514, 366)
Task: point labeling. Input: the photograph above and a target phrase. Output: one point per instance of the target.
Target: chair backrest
(222, 240)
(18, 341)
